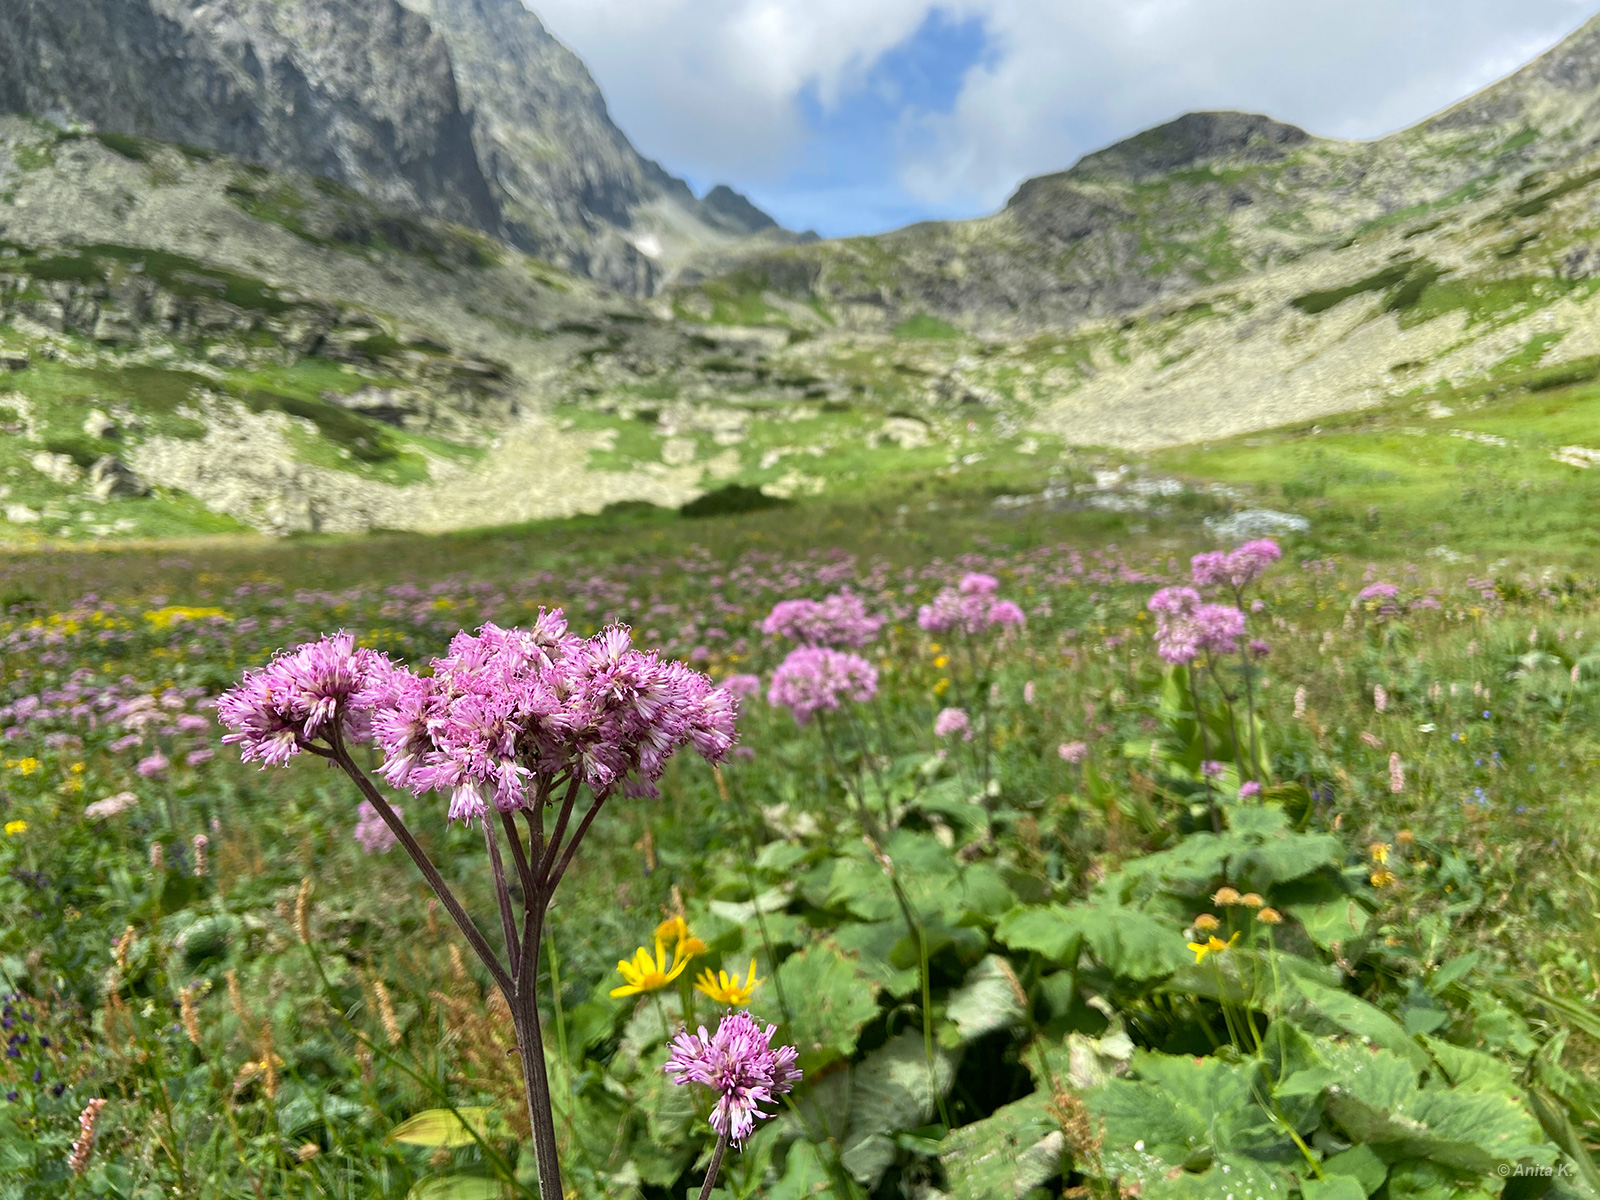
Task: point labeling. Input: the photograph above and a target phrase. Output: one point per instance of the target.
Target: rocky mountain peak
(1193, 140)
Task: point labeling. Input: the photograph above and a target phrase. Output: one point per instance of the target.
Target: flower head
(16, 828)
(1270, 916)
(814, 679)
(1073, 752)
(111, 806)
(646, 974)
(740, 1065)
(275, 712)
(837, 620)
(972, 607)
(1212, 945)
(727, 989)
(1238, 569)
(372, 833)
(674, 931)
(952, 721)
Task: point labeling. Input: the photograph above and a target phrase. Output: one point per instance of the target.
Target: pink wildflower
(740, 686)
(1397, 775)
(970, 607)
(813, 679)
(1238, 569)
(372, 832)
(1073, 752)
(952, 721)
(837, 620)
(1249, 788)
(198, 758)
(201, 844)
(153, 765)
(739, 1064)
(1380, 698)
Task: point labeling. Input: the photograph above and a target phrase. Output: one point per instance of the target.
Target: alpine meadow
(523, 678)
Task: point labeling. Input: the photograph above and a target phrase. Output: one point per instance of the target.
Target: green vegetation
(1313, 303)
(921, 325)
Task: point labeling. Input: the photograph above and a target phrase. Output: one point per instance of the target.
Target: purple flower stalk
(814, 679)
(740, 1065)
(510, 723)
(1236, 570)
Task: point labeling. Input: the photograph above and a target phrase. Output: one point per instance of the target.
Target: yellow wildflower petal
(1200, 951)
(672, 931)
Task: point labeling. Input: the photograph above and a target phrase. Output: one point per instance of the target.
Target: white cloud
(714, 86)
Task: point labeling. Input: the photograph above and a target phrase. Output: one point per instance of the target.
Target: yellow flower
(646, 974)
(674, 931)
(942, 661)
(16, 828)
(941, 687)
(726, 989)
(1251, 900)
(1226, 896)
(1205, 922)
(1382, 879)
(1212, 945)
(1379, 852)
(1270, 916)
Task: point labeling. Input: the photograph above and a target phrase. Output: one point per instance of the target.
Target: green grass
(922, 326)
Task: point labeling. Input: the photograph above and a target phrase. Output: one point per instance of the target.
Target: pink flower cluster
(814, 678)
(837, 620)
(503, 710)
(276, 712)
(952, 721)
(971, 607)
(372, 833)
(1187, 628)
(740, 1065)
(1236, 569)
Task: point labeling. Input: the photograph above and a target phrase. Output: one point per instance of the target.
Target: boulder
(111, 477)
(13, 360)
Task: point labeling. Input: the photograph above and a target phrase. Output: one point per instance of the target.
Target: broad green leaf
(1331, 920)
(741, 911)
(893, 1088)
(437, 1127)
(1017, 1147)
(869, 945)
(1333, 1187)
(1326, 1010)
(456, 1187)
(1362, 1165)
(1080, 1062)
(831, 999)
(804, 1176)
(1471, 1070)
(990, 998)
(1046, 929)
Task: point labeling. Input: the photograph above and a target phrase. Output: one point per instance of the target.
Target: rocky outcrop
(359, 91)
(466, 110)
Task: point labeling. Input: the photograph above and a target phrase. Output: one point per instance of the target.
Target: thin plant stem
(1205, 750)
(715, 1168)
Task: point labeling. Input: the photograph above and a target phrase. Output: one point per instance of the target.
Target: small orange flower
(1226, 896)
(1251, 900)
(1270, 916)
(1205, 923)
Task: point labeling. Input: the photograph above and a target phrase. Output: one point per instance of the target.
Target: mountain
(466, 110)
(354, 270)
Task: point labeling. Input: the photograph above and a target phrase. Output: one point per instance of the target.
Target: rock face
(360, 91)
(466, 110)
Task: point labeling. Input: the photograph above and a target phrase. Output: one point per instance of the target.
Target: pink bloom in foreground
(814, 679)
(1073, 752)
(153, 765)
(740, 1065)
(371, 832)
(502, 710)
(275, 712)
(952, 721)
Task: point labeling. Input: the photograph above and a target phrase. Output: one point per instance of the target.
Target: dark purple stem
(715, 1168)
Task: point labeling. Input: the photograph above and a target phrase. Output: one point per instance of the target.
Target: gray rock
(13, 360)
(110, 478)
(1255, 523)
(58, 468)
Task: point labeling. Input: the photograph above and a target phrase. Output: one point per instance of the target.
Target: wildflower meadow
(1025, 868)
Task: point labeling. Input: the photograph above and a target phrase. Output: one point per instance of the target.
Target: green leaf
(804, 1176)
(1471, 1070)
(1017, 1147)
(436, 1127)
(1334, 1187)
(1331, 920)
(869, 944)
(893, 1088)
(1361, 1164)
(739, 912)
(1126, 941)
(456, 1187)
(1326, 1010)
(990, 998)
(833, 999)
(1046, 930)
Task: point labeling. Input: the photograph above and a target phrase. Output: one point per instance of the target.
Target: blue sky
(856, 116)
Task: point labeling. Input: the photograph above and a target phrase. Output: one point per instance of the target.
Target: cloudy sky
(854, 116)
